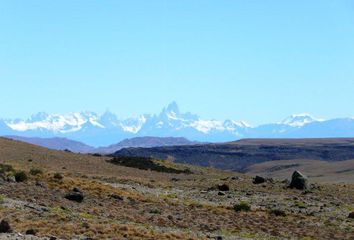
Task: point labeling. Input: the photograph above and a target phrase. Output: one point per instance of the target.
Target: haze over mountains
(79, 147)
(106, 129)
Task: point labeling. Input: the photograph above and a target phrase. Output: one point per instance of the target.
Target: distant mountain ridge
(78, 147)
(145, 142)
(106, 129)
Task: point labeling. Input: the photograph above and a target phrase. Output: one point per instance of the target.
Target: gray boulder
(299, 181)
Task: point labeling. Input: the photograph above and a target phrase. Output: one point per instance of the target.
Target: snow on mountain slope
(71, 122)
(100, 130)
(299, 120)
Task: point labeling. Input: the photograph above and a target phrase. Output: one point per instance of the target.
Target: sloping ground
(31, 156)
(56, 143)
(322, 171)
(240, 155)
(127, 203)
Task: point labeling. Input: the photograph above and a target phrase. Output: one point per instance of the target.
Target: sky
(258, 61)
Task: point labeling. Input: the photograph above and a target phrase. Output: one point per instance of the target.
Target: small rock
(351, 215)
(259, 180)
(75, 189)
(31, 232)
(85, 225)
(278, 212)
(223, 187)
(5, 227)
(75, 196)
(221, 193)
(41, 184)
(117, 197)
(299, 181)
(11, 179)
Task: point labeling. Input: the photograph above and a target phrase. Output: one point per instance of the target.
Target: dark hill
(241, 154)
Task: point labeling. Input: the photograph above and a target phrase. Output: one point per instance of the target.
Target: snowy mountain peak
(39, 116)
(104, 129)
(299, 120)
(66, 123)
(172, 108)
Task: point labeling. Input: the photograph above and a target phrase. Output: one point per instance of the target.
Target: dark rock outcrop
(223, 187)
(5, 227)
(259, 180)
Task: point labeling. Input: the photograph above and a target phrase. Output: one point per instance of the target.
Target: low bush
(36, 171)
(155, 211)
(4, 168)
(21, 176)
(243, 206)
(58, 176)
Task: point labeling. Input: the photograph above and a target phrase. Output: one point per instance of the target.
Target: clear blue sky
(254, 60)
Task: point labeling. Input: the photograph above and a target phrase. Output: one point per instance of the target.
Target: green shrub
(58, 176)
(21, 176)
(36, 171)
(4, 168)
(2, 198)
(155, 211)
(300, 204)
(242, 206)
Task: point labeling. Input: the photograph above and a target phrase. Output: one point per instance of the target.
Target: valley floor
(127, 203)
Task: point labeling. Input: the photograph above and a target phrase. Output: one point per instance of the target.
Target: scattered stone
(52, 238)
(278, 212)
(41, 185)
(85, 225)
(117, 197)
(75, 196)
(31, 232)
(270, 180)
(174, 179)
(223, 187)
(11, 179)
(259, 180)
(75, 189)
(5, 227)
(351, 215)
(299, 181)
(221, 193)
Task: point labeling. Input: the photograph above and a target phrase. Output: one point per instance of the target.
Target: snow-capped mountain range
(106, 129)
